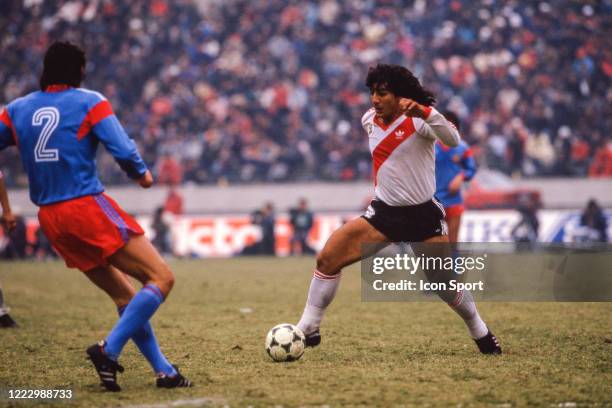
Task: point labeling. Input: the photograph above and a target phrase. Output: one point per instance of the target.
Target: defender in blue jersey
(454, 166)
(57, 131)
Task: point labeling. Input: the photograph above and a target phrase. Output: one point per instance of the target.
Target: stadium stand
(243, 91)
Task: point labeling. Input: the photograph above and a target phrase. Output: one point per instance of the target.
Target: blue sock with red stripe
(138, 312)
(145, 340)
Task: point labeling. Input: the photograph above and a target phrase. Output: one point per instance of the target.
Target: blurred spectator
(594, 218)
(42, 248)
(272, 90)
(161, 230)
(174, 201)
(264, 218)
(602, 162)
(301, 219)
(267, 223)
(526, 230)
(169, 171)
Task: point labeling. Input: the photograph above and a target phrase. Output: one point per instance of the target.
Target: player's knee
(168, 277)
(326, 264)
(447, 296)
(164, 278)
(169, 280)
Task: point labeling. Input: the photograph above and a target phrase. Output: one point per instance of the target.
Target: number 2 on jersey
(47, 117)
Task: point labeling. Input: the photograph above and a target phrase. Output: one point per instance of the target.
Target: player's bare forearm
(7, 218)
(4, 200)
(121, 147)
(455, 185)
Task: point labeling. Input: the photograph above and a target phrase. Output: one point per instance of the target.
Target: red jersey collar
(381, 125)
(57, 88)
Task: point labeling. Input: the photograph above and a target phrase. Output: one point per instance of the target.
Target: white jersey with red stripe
(404, 155)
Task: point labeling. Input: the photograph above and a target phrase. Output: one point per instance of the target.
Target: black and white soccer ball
(285, 342)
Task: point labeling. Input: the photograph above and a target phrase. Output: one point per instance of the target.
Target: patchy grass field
(373, 354)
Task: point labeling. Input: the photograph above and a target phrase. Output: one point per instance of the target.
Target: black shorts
(412, 223)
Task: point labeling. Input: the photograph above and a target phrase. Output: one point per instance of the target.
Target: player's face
(385, 103)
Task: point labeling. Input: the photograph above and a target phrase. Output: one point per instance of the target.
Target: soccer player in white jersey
(402, 127)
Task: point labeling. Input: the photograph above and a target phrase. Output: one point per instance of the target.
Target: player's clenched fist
(412, 108)
(146, 180)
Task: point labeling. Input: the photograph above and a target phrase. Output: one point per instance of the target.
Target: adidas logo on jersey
(399, 134)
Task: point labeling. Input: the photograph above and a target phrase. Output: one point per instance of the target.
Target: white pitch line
(196, 402)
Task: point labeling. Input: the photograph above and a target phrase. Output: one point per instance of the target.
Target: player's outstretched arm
(7, 218)
(436, 126)
(442, 129)
(123, 149)
(6, 139)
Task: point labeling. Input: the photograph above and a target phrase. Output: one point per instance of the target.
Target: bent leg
(138, 258)
(461, 302)
(453, 223)
(119, 288)
(145, 340)
(114, 283)
(437, 248)
(343, 248)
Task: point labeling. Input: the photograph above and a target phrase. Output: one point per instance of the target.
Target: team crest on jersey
(456, 158)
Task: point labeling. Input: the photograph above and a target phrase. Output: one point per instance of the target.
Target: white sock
(466, 308)
(321, 293)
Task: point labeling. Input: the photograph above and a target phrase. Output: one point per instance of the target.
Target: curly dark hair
(64, 63)
(400, 82)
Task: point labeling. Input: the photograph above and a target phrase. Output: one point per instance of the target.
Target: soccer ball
(285, 342)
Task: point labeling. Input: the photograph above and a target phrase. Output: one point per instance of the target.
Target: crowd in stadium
(242, 91)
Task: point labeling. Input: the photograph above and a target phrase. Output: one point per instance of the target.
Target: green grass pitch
(373, 354)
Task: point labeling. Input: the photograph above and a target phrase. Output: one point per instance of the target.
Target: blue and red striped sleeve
(102, 122)
(468, 163)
